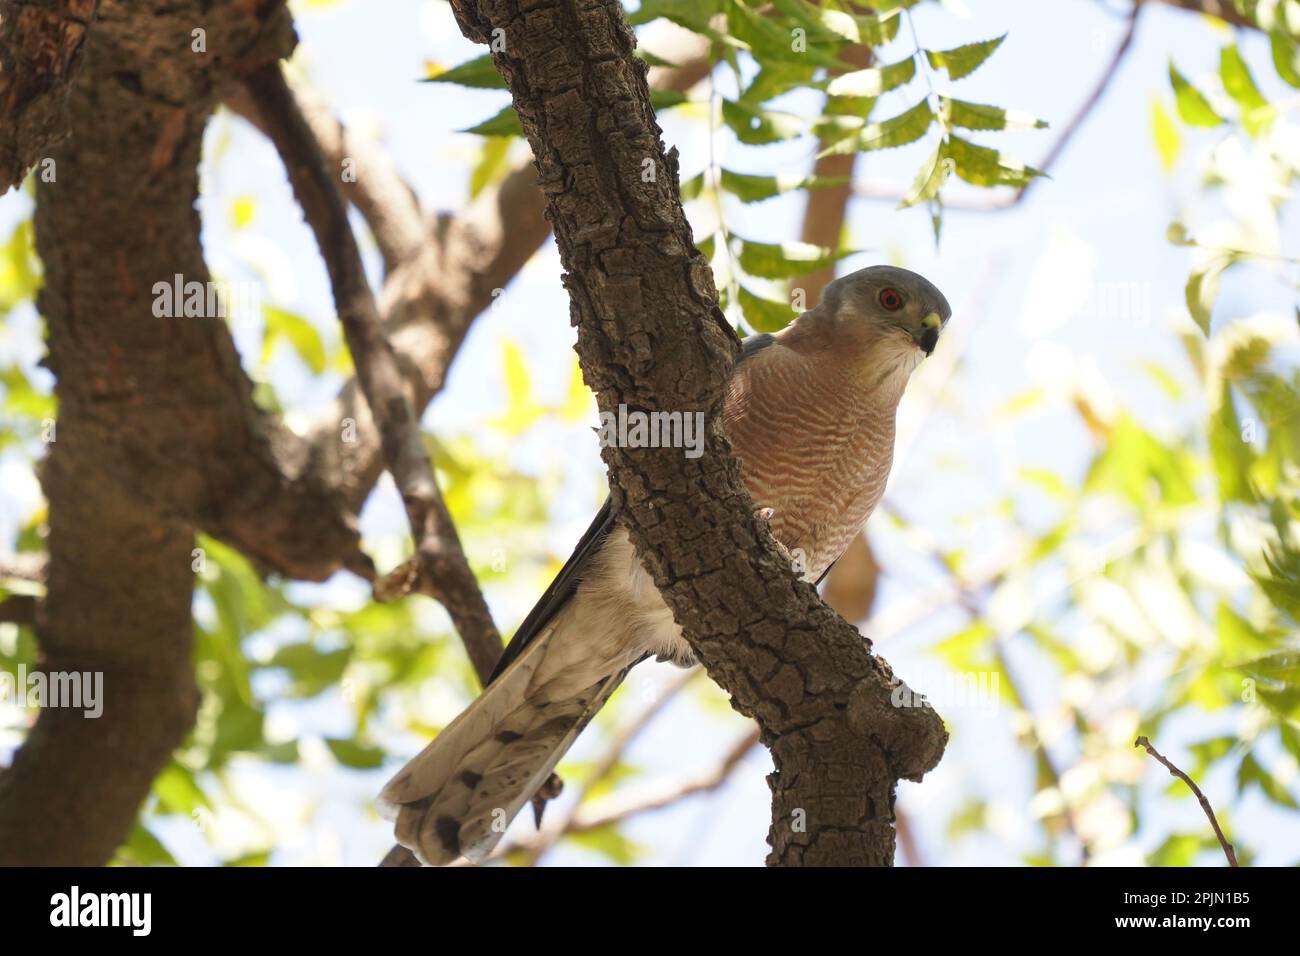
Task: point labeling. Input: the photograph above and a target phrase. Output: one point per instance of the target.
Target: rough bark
(650, 335)
(40, 46)
(149, 409)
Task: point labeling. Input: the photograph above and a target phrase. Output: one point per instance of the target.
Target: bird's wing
(566, 582)
(561, 589)
(753, 345)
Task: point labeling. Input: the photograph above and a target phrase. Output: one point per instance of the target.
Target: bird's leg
(549, 790)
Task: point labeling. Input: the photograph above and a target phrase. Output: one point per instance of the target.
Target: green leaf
(750, 188)
(782, 260)
(666, 99)
(764, 315)
(300, 333)
(313, 670)
(1238, 81)
(775, 78)
(142, 848)
(505, 123)
(643, 54)
(755, 127)
(963, 60)
(1203, 289)
(934, 172)
(1165, 133)
(1180, 849)
(479, 73)
(906, 127)
(611, 844)
(1192, 104)
(1250, 772)
(691, 188)
(819, 21)
(1286, 57)
(967, 649)
(491, 165)
(979, 116)
(178, 792)
(874, 81)
(982, 166)
(694, 15)
(771, 39)
(355, 755)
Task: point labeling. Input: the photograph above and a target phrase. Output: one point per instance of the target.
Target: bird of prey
(810, 414)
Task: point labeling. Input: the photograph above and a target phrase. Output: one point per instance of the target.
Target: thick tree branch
(40, 46)
(650, 335)
(149, 406)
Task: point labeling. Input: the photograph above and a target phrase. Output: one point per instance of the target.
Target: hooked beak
(928, 337)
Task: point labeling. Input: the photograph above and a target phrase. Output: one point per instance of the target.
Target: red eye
(891, 300)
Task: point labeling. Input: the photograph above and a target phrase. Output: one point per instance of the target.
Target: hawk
(810, 414)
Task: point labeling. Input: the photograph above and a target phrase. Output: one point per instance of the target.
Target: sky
(1029, 290)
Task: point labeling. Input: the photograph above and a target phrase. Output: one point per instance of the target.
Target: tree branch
(149, 405)
(650, 335)
(440, 566)
(1228, 851)
(40, 46)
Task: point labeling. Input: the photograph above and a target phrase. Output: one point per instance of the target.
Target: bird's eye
(891, 300)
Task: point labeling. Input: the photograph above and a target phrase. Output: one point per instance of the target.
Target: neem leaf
(691, 188)
(819, 21)
(934, 172)
(1203, 289)
(756, 127)
(963, 60)
(478, 73)
(749, 188)
(1286, 57)
(770, 40)
(873, 82)
(784, 259)
(906, 127)
(355, 755)
(505, 123)
(1238, 81)
(666, 99)
(979, 116)
(764, 315)
(694, 15)
(1193, 107)
(982, 166)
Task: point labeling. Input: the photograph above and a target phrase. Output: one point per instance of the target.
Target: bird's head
(887, 304)
(881, 321)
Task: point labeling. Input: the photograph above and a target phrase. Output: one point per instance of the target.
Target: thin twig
(1205, 804)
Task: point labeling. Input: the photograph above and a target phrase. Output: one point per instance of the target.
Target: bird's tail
(458, 795)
